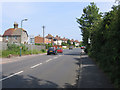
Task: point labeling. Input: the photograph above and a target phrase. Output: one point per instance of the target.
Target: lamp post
(21, 35)
(21, 28)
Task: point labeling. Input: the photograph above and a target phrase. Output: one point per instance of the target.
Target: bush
(43, 50)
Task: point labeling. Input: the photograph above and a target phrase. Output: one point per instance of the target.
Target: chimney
(15, 25)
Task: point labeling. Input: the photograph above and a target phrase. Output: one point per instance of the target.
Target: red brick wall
(38, 39)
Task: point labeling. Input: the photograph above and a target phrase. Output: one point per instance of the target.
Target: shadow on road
(19, 81)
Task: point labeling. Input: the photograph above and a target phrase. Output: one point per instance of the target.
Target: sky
(59, 18)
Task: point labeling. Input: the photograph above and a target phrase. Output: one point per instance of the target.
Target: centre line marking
(55, 57)
(35, 65)
(48, 60)
(11, 75)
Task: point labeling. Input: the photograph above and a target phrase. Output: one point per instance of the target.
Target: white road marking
(55, 57)
(35, 65)
(48, 60)
(11, 75)
(60, 55)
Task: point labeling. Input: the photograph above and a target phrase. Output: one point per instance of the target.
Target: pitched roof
(72, 40)
(13, 31)
(49, 36)
(57, 38)
(76, 41)
(64, 39)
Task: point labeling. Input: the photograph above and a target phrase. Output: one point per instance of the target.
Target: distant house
(72, 40)
(1, 39)
(57, 40)
(50, 38)
(64, 40)
(39, 39)
(31, 39)
(13, 35)
(77, 43)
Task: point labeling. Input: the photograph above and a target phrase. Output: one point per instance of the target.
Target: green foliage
(14, 49)
(68, 42)
(43, 50)
(105, 44)
(74, 44)
(104, 34)
(89, 17)
(64, 44)
(48, 45)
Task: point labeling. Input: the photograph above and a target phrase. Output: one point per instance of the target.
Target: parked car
(71, 47)
(59, 50)
(83, 47)
(52, 50)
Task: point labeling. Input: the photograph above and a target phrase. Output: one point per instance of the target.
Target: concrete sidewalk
(90, 76)
(17, 58)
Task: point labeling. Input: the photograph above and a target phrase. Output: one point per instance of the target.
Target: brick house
(13, 35)
(39, 39)
(50, 38)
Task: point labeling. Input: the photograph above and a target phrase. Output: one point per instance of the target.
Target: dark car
(52, 50)
(71, 47)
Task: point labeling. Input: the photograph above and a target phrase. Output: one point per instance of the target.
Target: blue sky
(59, 18)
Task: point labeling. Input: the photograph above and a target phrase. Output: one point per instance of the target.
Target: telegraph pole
(43, 33)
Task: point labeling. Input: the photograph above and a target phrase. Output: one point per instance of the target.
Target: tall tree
(89, 17)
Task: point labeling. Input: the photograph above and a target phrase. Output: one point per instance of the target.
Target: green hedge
(105, 45)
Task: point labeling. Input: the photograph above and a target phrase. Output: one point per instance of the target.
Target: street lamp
(21, 28)
(21, 34)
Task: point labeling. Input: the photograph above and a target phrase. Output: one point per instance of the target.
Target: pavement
(90, 75)
(17, 58)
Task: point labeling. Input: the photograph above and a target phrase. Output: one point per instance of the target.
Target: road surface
(42, 71)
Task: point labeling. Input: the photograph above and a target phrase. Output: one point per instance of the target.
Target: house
(72, 40)
(39, 39)
(50, 38)
(1, 39)
(57, 40)
(13, 35)
(31, 39)
(77, 43)
(64, 40)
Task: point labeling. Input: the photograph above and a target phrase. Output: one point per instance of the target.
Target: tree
(89, 17)
(73, 43)
(68, 42)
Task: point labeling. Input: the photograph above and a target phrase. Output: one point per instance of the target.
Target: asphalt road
(42, 71)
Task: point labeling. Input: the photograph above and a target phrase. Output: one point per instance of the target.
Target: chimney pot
(15, 25)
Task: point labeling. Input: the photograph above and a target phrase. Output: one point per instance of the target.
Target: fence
(3, 46)
(35, 47)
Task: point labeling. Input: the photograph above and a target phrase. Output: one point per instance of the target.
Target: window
(15, 37)
(6, 37)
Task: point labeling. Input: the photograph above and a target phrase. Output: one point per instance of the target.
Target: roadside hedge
(105, 44)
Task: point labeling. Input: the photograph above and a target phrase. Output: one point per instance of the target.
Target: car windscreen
(51, 49)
